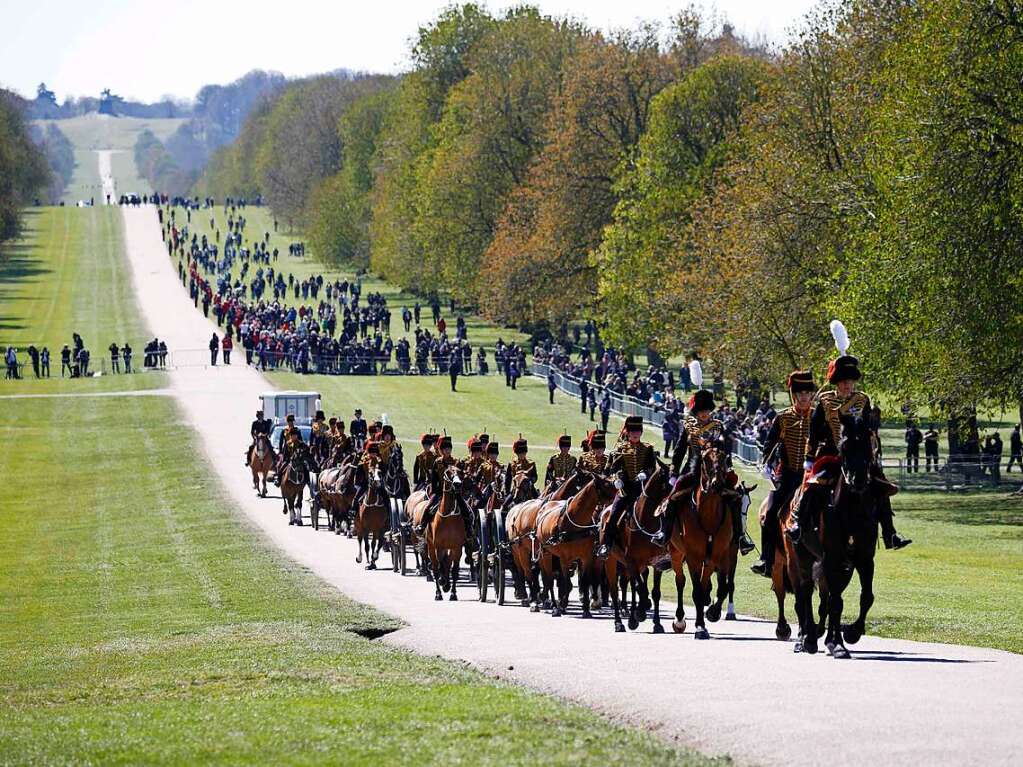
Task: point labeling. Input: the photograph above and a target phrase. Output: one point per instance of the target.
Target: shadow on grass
(982, 509)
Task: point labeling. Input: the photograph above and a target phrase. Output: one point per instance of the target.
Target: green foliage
(23, 168)
(158, 167)
(60, 156)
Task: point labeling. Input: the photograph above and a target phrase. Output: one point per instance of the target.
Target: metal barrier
(621, 404)
(747, 451)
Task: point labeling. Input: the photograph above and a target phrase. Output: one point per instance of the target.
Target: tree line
(24, 171)
(688, 189)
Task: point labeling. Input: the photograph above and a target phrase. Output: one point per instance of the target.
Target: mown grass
(68, 273)
(141, 621)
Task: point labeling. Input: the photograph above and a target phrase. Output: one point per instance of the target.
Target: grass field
(142, 621)
(69, 274)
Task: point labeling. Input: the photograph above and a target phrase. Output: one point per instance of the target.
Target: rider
(700, 429)
(635, 460)
(340, 441)
(368, 463)
(594, 460)
(523, 464)
(386, 442)
(261, 426)
(471, 465)
(291, 439)
(357, 429)
(423, 466)
(318, 434)
(436, 486)
(562, 464)
(825, 431)
(785, 448)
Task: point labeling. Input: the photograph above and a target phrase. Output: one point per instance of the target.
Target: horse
(447, 534)
(373, 519)
(261, 463)
(637, 551)
(850, 534)
(519, 490)
(707, 535)
(527, 555)
(294, 479)
(398, 489)
(336, 494)
(567, 531)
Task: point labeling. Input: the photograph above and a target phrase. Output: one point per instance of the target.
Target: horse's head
(454, 482)
(522, 487)
(713, 468)
(655, 488)
(856, 450)
(606, 488)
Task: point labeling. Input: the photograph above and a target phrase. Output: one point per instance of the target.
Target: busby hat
(845, 368)
(520, 446)
(801, 380)
(484, 438)
(564, 441)
(634, 423)
(445, 442)
(332, 420)
(378, 425)
(598, 440)
(427, 439)
(290, 418)
(475, 445)
(320, 416)
(492, 449)
(387, 429)
(702, 400)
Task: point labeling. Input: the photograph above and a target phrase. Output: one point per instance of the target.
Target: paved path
(106, 174)
(897, 702)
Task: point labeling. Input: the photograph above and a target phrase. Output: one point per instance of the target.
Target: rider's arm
(678, 455)
(773, 437)
(820, 432)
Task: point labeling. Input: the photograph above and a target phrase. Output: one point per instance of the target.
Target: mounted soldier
(822, 445)
(357, 429)
(522, 464)
(561, 465)
(700, 430)
(594, 460)
(318, 441)
(471, 465)
(785, 451)
(260, 427)
(291, 440)
(386, 437)
(633, 460)
(436, 482)
(422, 469)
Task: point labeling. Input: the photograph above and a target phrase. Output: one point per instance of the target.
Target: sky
(147, 50)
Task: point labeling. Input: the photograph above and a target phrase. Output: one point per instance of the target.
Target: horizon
(81, 35)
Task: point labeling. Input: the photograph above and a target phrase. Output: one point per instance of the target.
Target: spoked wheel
(401, 543)
(499, 570)
(483, 567)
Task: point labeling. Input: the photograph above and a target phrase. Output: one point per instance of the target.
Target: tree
(23, 169)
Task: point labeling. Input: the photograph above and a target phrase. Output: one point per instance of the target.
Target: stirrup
(746, 544)
(659, 538)
(761, 567)
(603, 552)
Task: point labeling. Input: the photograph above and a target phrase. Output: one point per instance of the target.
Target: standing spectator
(226, 346)
(552, 384)
(417, 312)
(669, 430)
(442, 325)
(931, 447)
(684, 377)
(584, 386)
(1015, 450)
(592, 401)
(993, 452)
(454, 366)
(406, 318)
(115, 358)
(605, 409)
(11, 359)
(695, 371)
(214, 348)
(65, 362)
(512, 368)
(44, 357)
(126, 355)
(83, 362)
(161, 353)
(913, 438)
(33, 354)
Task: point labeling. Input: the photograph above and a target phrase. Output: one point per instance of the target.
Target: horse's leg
(611, 568)
(456, 558)
(700, 591)
(434, 565)
(730, 593)
(633, 586)
(358, 549)
(837, 581)
(782, 630)
(584, 587)
(298, 508)
(644, 593)
(679, 624)
(865, 571)
(656, 594)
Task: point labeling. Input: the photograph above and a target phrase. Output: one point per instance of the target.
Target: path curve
(898, 702)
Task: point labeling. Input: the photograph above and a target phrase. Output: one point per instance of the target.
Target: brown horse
(567, 532)
(336, 495)
(707, 534)
(293, 482)
(261, 462)
(637, 551)
(373, 519)
(446, 535)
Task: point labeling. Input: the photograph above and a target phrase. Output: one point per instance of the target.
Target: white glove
(618, 484)
(807, 465)
(641, 476)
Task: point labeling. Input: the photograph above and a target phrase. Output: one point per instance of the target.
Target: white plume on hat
(841, 336)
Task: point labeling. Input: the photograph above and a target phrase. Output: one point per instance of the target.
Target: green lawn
(69, 274)
(143, 621)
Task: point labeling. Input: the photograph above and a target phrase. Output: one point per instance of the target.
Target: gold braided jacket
(593, 463)
(561, 465)
(634, 458)
(832, 406)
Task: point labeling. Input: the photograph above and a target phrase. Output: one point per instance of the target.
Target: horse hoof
(810, 645)
(594, 604)
(438, 598)
(641, 616)
(783, 632)
(839, 652)
(534, 608)
(851, 634)
(658, 628)
(291, 522)
(797, 647)
(679, 627)
(714, 613)
(371, 566)
(298, 523)
(453, 597)
(587, 614)
(555, 613)
(619, 628)
(730, 617)
(702, 633)
(633, 624)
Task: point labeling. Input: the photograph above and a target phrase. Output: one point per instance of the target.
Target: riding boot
(795, 527)
(892, 540)
(662, 536)
(765, 564)
(606, 536)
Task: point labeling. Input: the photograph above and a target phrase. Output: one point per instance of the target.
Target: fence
(621, 404)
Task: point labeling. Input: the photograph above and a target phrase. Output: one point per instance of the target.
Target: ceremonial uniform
(422, 469)
(785, 448)
(523, 464)
(561, 465)
(260, 426)
(634, 461)
(591, 461)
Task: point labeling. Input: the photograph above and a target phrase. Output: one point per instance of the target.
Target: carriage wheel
(401, 544)
(499, 569)
(393, 537)
(482, 568)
